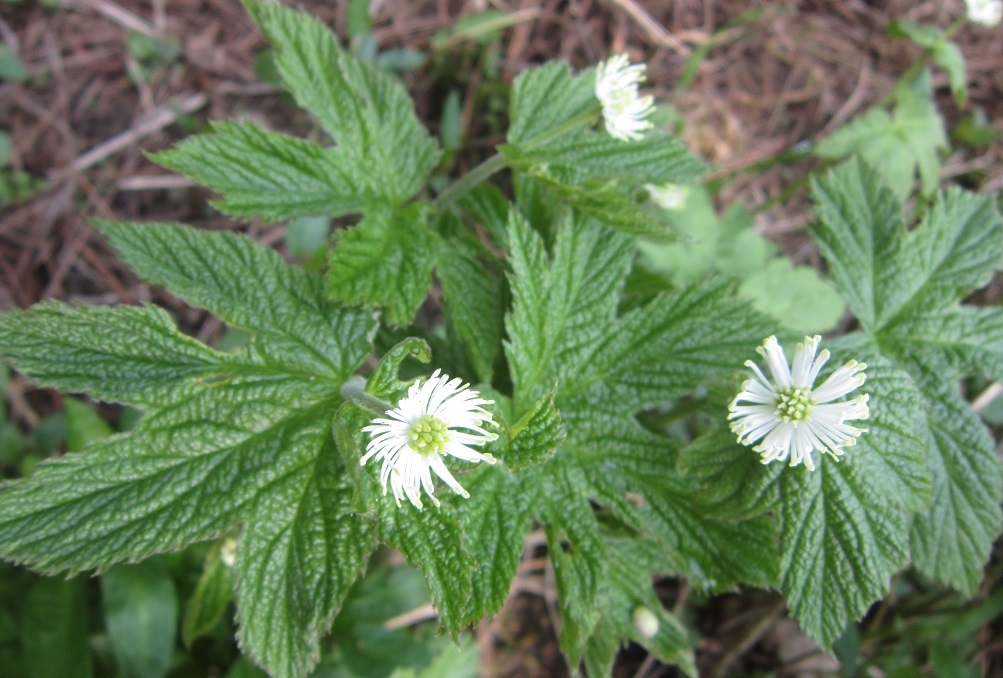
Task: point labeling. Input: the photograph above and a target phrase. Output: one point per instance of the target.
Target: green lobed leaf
(730, 481)
(657, 158)
(385, 261)
(885, 271)
(952, 539)
(958, 245)
(564, 329)
(301, 551)
(53, 629)
(473, 301)
(285, 308)
(245, 441)
(365, 110)
(431, 539)
(796, 297)
(536, 436)
(271, 175)
(132, 354)
(494, 521)
(860, 233)
(182, 475)
(140, 610)
(712, 553)
(576, 551)
(632, 564)
(558, 306)
(547, 98)
(844, 526)
(897, 145)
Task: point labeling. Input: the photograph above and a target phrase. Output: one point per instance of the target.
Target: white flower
(623, 111)
(668, 196)
(985, 12)
(789, 415)
(436, 417)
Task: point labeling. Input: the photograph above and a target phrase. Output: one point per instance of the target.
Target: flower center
(428, 435)
(795, 404)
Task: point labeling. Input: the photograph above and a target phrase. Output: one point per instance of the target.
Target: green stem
(354, 391)
(920, 63)
(588, 117)
(498, 162)
(468, 181)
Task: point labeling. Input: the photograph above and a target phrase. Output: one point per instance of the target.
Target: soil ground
(772, 75)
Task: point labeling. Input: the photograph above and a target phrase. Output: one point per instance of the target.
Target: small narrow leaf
(383, 382)
(212, 595)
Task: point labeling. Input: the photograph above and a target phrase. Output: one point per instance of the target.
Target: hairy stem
(354, 391)
(497, 162)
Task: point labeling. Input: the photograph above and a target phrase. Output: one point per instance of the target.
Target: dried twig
(411, 618)
(119, 15)
(655, 30)
(160, 118)
(153, 182)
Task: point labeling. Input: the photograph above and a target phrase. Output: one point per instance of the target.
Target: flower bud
(644, 621)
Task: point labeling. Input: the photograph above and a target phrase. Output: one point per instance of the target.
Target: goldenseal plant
(588, 396)
(438, 417)
(789, 414)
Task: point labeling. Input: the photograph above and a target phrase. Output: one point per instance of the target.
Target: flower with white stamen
(437, 417)
(624, 112)
(985, 12)
(789, 415)
(668, 196)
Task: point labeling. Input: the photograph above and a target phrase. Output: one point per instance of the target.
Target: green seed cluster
(428, 436)
(795, 404)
